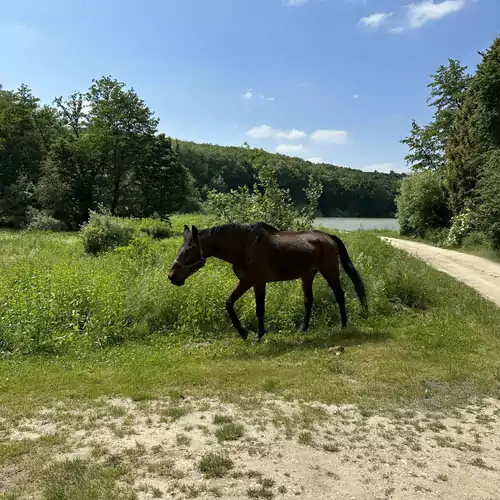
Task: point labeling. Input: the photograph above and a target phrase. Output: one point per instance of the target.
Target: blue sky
(337, 80)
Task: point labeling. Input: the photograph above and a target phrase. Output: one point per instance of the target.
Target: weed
(183, 440)
(229, 432)
(214, 465)
(260, 493)
(331, 447)
(306, 438)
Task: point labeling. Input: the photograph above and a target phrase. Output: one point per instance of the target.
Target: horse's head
(189, 259)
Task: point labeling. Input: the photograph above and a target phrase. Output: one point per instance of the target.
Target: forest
(101, 151)
(452, 198)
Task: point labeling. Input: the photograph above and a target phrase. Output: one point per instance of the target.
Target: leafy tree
(26, 133)
(121, 126)
(165, 183)
(476, 131)
(448, 87)
(422, 204)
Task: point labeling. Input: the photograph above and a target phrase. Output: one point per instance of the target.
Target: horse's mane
(232, 228)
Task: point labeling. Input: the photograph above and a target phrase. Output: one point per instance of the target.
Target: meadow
(72, 325)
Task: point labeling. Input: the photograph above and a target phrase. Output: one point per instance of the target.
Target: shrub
(104, 232)
(489, 199)
(156, 228)
(267, 203)
(476, 239)
(461, 225)
(40, 220)
(422, 204)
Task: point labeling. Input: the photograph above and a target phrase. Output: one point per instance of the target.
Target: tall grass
(54, 298)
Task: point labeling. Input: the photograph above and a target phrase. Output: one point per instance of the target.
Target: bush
(422, 204)
(461, 225)
(40, 220)
(267, 203)
(475, 240)
(104, 232)
(489, 199)
(156, 228)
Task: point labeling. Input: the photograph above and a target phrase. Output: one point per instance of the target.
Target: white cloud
(248, 94)
(415, 15)
(267, 132)
(330, 136)
(420, 13)
(262, 96)
(355, 96)
(376, 20)
(383, 167)
(285, 149)
(315, 159)
(291, 134)
(262, 132)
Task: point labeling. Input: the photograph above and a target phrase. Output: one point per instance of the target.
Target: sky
(335, 81)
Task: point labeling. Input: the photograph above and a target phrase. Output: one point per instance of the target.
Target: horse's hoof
(257, 340)
(243, 333)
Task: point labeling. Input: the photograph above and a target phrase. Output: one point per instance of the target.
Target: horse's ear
(194, 230)
(186, 231)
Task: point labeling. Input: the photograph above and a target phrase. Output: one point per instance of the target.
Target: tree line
(453, 194)
(101, 150)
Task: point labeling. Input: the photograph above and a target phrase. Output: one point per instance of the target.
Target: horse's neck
(230, 249)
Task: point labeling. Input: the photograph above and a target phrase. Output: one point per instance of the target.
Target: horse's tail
(351, 271)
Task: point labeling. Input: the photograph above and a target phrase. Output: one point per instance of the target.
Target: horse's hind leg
(240, 289)
(333, 280)
(260, 307)
(307, 282)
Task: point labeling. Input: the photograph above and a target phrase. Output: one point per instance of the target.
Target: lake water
(357, 223)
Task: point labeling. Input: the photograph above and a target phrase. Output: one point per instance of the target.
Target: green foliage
(102, 148)
(461, 142)
(489, 199)
(422, 204)
(155, 227)
(461, 225)
(104, 232)
(346, 192)
(427, 143)
(40, 220)
(267, 203)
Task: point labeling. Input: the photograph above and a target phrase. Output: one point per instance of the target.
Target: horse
(259, 253)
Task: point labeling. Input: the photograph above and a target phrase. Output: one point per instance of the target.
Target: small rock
(337, 350)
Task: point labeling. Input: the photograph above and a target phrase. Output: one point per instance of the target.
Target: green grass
(80, 327)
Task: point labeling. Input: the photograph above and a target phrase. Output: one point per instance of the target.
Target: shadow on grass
(274, 347)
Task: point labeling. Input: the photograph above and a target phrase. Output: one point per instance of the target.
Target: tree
(165, 183)
(422, 204)
(427, 143)
(26, 132)
(475, 132)
(121, 126)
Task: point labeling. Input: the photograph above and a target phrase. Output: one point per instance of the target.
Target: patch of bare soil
(276, 449)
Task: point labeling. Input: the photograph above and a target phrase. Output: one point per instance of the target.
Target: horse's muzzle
(175, 280)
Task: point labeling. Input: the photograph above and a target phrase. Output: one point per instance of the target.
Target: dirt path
(480, 274)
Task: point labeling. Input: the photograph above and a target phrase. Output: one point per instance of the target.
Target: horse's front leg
(240, 289)
(260, 307)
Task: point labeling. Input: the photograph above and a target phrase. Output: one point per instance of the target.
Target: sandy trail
(476, 272)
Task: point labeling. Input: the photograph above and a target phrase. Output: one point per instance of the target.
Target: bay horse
(260, 253)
